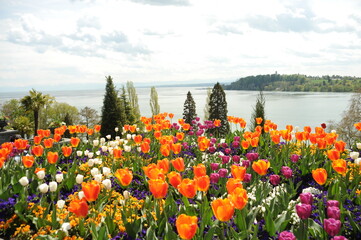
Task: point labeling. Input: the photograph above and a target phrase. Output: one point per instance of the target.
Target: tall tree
(258, 111)
(89, 116)
(110, 110)
(133, 100)
(127, 114)
(33, 103)
(154, 105)
(206, 107)
(189, 109)
(218, 110)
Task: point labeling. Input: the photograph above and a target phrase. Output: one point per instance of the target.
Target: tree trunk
(36, 122)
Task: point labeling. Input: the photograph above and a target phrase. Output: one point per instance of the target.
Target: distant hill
(297, 83)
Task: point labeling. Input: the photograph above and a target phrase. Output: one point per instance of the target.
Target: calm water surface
(296, 108)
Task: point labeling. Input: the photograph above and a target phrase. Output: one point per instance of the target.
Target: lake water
(296, 108)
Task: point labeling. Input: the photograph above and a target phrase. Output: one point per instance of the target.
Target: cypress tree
(218, 110)
(154, 105)
(111, 113)
(127, 114)
(258, 111)
(189, 110)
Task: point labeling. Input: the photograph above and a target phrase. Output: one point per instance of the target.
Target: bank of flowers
(173, 180)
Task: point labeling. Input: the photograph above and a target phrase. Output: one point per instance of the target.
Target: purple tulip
(197, 119)
(306, 198)
(247, 177)
(303, 210)
(286, 171)
(225, 159)
(236, 158)
(237, 138)
(294, 158)
(212, 149)
(246, 163)
(274, 179)
(227, 151)
(333, 203)
(252, 156)
(235, 144)
(331, 226)
(286, 235)
(339, 238)
(223, 172)
(224, 145)
(214, 177)
(214, 166)
(333, 212)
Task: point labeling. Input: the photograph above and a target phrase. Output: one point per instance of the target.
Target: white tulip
(102, 140)
(94, 171)
(104, 148)
(97, 153)
(90, 162)
(129, 136)
(65, 227)
(108, 136)
(107, 184)
(95, 142)
(60, 204)
(133, 136)
(358, 145)
(79, 153)
(86, 152)
(79, 179)
(127, 148)
(53, 186)
(106, 171)
(59, 177)
(126, 194)
(116, 129)
(81, 195)
(117, 138)
(358, 161)
(354, 155)
(41, 174)
(90, 154)
(98, 177)
(97, 161)
(44, 188)
(24, 181)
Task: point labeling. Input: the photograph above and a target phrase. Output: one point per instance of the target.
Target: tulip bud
(80, 195)
(94, 171)
(59, 177)
(247, 177)
(90, 155)
(79, 153)
(91, 162)
(98, 177)
(65, 227)
(358, 145)
(333, 212)
(223, 172)
(214, 177)
(107, 184)
(333, 203)
(53, 186)
(95, 142)
(79, 179)
(116, 129)
(104, 148)
(24, 181)
(303, 210)
(127, 148)
(358, 161)
(97, 161)
(106, 171)
(97, 153)
(86, 152)
(108, 136)
(354, 155)
(294, 158)
(306, 198)
(126, 194)
(43, 188)
(286, 171)
(274, 179)
(286, 235)
(40, 174)
(214, 166)
(331, 226)
(246, 163)
(102, 140)
(60, 204)
(129, 136)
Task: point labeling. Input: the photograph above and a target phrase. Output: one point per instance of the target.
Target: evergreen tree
(126, 109)
(189, 110)
(154, 105)
(218, 110)
(133, 101)
(111, 113)
(258, 111)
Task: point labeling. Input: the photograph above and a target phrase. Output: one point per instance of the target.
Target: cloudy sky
(63, 42)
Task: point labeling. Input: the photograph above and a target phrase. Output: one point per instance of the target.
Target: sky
(73, 44)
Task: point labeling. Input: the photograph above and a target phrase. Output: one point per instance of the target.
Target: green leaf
(314, 228)
(270, 225)
(210, 233)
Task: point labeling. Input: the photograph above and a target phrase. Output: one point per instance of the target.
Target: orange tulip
(163, 165)
(276, 139)
(48, 142)
(186, 126)
(178, 164)
(7, 145)
(144, 146)
(2, 161)
(138, 139)
(174, 178)
(238, 172)
(171, 115)
(37, 150)
(176, 148)
(153, 172)
(57, 137)
(117, 153)
(340, 146)
(90, 131)
(233, 183)
(79, 207)
(188, 188)
(199, 170)
(28, 161)
(91, 190)
(74, 142)
(186, 226)
(66, 151)
(239, 198)
(180, 136)
(125, 176)
(254, 141)
(261, 167)
(245, 144)
(97, 128)
(37, 140)
(217, 123)
(320, 175)
(21, 144)
(4, 152)
(259, 120)
(203, 143)
(165, 150)
(157, 134)
(222, 209)
(340, 166)
(203, 183)
(52, 157)
(333, 154)
(158, 188)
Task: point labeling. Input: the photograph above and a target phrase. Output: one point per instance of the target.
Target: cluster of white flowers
(295, 219)
(311, 190)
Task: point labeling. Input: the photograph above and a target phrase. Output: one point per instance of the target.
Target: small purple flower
(247, 177)
(286, 171)
(286, 235)
(331, 226)
(294, 158)
(333, 212)
(236, 158)
(303, 210)
(333, 203)
(214, 177)
(306, 198)
(223, 172)
(274, 179)
(252, 156)
(214, 166)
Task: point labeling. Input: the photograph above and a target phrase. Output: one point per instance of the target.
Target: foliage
(154, 105)
(189, 109)
(89, 117)
(218, 110)
(297, 83)
(23, 124)
(133, 101)
(127, 113)
(57, 112)
(111, 112)
(206, 107)
(258, 111)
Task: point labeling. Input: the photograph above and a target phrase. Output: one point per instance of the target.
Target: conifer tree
(218, 110)
(111, 113)
(154, 105)
(189, 110)
(127, 114)
(258, 111)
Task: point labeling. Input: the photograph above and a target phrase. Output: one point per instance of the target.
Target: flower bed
(175, 181)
